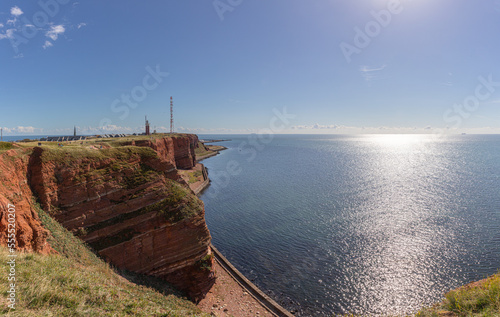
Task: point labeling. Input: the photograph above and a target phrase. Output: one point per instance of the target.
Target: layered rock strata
(130, 205)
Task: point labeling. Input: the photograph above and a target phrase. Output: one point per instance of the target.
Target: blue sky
(367, 66)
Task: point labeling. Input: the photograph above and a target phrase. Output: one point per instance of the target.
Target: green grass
(200, 150)
(206, 262)
(481, 299)
(77, 283)
(180, 204)
(141, 176)
(69, 154)
(5, 146)
(194, 176)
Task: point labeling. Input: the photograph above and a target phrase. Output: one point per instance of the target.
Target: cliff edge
(124, 198)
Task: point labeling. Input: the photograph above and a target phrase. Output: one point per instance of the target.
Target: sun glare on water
(397, 140)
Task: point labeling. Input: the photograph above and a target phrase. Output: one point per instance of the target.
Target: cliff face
(14, 190)
(179, 151)
(131, 206)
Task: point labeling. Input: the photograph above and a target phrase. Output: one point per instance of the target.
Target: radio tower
(171, 115)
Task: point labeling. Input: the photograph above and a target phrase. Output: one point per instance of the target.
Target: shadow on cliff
(150, 281)
(160, 285)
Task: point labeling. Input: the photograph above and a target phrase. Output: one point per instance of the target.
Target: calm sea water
(373, 224)
(10, 138)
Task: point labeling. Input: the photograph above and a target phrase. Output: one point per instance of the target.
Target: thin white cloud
(25, 129)
(11, 21)
(371, 69)
(341, 129)
(369, 73)
(54, 31)
(47, 44)
(210, 130)
(322, 127)
(1, 25)
(18, 130)
(16, 11)
(108, 128)
(316, 127)
(7, 35)
(81, 25)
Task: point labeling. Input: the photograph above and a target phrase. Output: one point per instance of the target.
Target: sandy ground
(228, 298)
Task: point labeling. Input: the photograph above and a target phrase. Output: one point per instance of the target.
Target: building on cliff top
(147, 127)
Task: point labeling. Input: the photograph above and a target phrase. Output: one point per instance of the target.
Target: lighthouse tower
(147, 127)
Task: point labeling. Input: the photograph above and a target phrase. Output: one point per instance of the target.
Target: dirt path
(228, 298)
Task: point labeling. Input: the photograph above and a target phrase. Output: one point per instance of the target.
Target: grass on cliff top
(77, 283)
(116, 142)
(5, 146)
(67, 154)
(478, 299)
(201, 150)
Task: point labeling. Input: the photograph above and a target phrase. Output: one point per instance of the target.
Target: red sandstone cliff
(179, 151)
(15, 191)
(128, 203)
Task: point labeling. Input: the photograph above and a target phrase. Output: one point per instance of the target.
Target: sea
(364, 224)
(14, 138)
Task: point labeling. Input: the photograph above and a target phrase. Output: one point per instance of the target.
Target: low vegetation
(195, 176)
(202, 151)
(5, 146)
(206, 262)
(140, 177)
(180, 204)
(477, 299)
(75, 282)
(68, 154)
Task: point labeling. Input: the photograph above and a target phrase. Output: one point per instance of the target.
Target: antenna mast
(171, 115)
